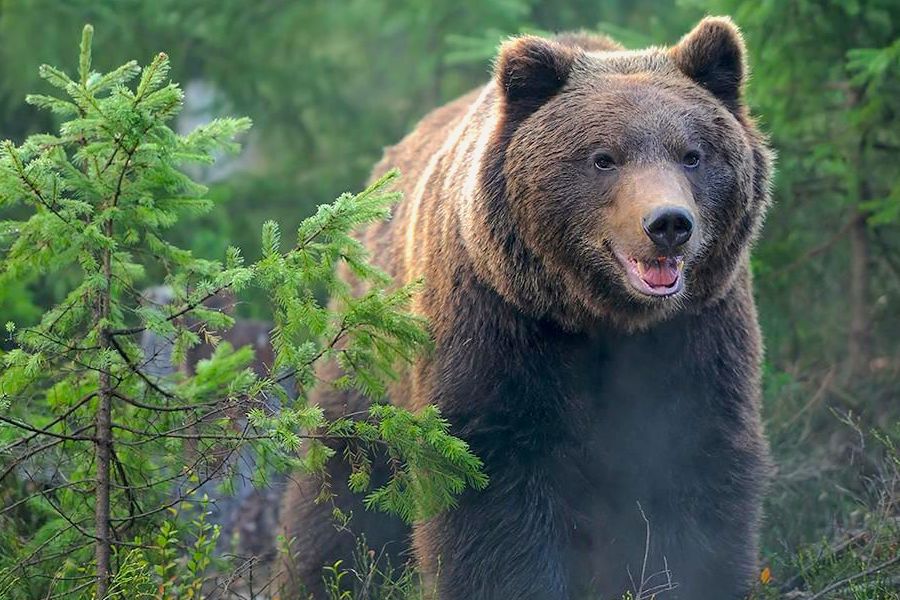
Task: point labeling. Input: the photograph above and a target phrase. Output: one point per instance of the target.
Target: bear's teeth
(640, 268)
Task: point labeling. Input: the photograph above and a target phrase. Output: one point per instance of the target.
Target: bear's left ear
(713, 56)
(530, 70)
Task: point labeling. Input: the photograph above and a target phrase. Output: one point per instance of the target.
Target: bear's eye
(691, 160)
(604, 162)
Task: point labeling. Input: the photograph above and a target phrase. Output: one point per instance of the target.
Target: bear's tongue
(662, 272)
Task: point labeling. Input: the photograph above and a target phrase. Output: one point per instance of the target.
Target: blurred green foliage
(329, 84)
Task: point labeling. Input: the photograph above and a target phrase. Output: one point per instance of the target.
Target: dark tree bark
(860, 342)
(103, 442)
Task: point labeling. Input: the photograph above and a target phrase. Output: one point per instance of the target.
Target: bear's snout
(668, 227)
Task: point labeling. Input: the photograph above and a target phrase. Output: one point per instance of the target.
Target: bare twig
(181, 312)
(37, 450)
(642, 591)
(45, 432)
(133, 506)
(136, 370)
(58, 419)
(43, 491)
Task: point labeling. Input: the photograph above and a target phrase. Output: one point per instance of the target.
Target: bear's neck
(479, 218)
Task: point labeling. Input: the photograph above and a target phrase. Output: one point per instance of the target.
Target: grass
(833, 513)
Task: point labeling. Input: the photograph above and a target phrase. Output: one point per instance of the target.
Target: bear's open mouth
(661, 276)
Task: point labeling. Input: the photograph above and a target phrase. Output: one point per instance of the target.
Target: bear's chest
(639, 406)
(638, 450)
(610, 411)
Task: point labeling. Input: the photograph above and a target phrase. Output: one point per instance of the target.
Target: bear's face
(636, 179)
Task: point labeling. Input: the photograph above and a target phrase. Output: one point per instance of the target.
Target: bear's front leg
(499, 544)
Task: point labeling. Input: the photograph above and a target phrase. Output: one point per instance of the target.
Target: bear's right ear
(530, 70)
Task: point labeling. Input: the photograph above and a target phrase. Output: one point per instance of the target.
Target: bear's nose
(669, 226)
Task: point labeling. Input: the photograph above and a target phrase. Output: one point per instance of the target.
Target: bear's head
(621, 185)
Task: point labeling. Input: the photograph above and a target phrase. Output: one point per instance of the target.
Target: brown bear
(583, 225)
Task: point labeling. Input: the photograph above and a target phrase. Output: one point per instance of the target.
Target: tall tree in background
(826, 77)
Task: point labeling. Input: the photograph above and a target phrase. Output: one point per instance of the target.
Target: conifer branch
(45, 432)
(89, 389)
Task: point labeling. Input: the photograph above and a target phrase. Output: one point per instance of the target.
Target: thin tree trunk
(860, 342)
(103, 428)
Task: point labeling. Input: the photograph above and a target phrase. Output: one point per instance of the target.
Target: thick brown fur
(592, 405)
